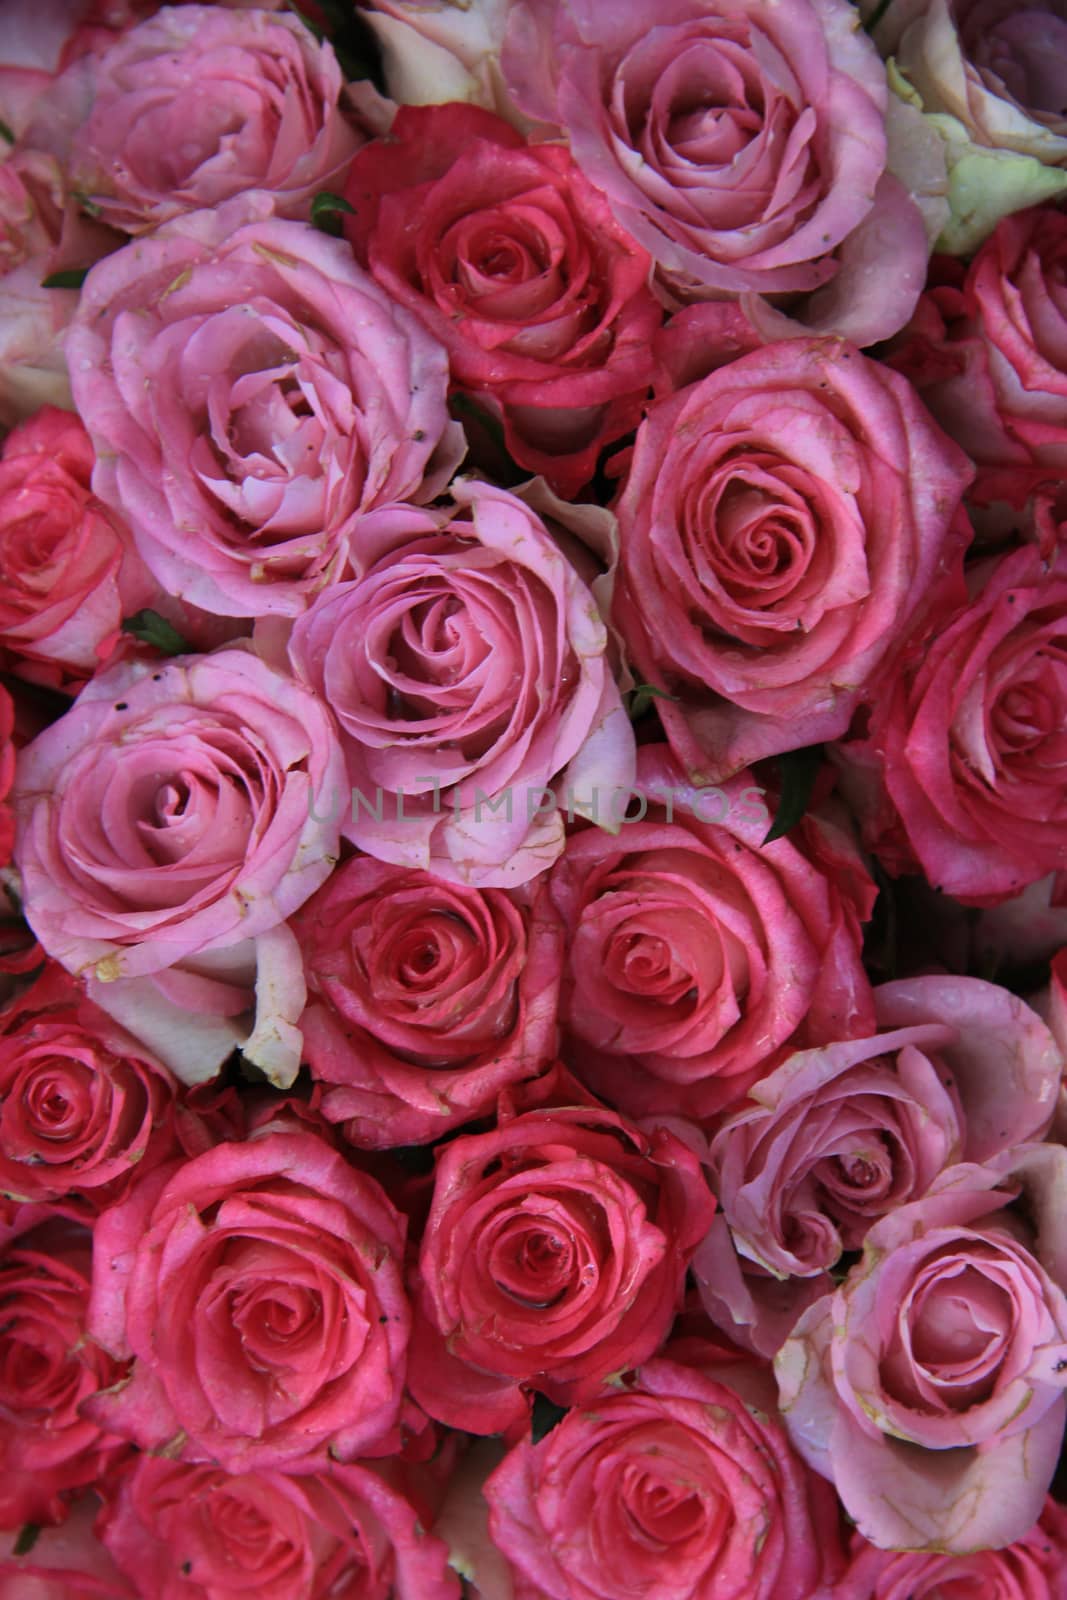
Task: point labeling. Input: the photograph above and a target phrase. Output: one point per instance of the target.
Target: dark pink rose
(676, 1487)
(70, 574)
(196, 104)
(426, 998)
(784, 525)
(930, 1385)
(696, 953)
(515, 263)
(49, 1369)
(744, 146)
(1032, 1568)
(273, 399)
(468, 667)
(554, 1256)
(84, 1108)
(65, 1563)
(197, 1533)
(168, 828)
(842, 1135)
(7, 775)
(990, 358)
(258, 1289)
(962, 772)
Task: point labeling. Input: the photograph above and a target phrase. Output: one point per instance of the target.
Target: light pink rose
(258, 1290)
(254, 398)
(697, 954)
(434, 51)
(930, 1385)
(195, 105)
(784, 526)
(167, 829)
(840, 1136)
(743, 145)
(196, 1533)
(677, 1487)
(1032, 1568)
(468, 668)
(426, 998)
(66, 1563)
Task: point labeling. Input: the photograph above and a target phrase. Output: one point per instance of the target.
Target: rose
(168, 825)
(554, 1255)
(257, 1288)
(434, 51)
(273, 399)
(515, 263)
(995, 66)
(83, 1107)
(7, 774)
(1030, 1569)
(198, 104)
(70, 573)
(675, 1487)
(427, 998)
(193, 1532)
(988, 358)
(743, 146)
(783, 525)
(843, 1134)
(962, 770)
(64, 1563)
(929, 1385)
(49, 1448)
(467, 667)
(695, 952)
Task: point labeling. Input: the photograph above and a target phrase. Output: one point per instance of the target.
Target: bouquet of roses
(533, 799)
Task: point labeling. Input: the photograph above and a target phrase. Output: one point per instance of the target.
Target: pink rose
(254, 397)
(83, 1107)
(676, 1488)
(784, 525)
(515, 263)
(258, 1289)
(66, 1563)
(930, 1385)
(70, 571)
(842, 1135)
(168, 826)
(7, 775)
(962, 770)
(990, 358)
(554, 1255)
(1032, 1568)
(468, 668)
(426, 998)
(696, 953)
(196, 1533)
(49, 1369)
(195, 105)
(744, 146)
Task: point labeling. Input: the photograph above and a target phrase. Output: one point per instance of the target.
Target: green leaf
(27, 1539)
(642, 696)
(544, 1417)
(5, 133)
(798, 770)
(326, 211)
(150, 628)
(71, 279)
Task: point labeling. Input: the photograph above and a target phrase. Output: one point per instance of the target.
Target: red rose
(427, 998)
(554, 1255)
(675, 1490)
(696, 952)
(196, 1533)
(48, 1368)
(514, 261)
(964, 771)
(258, 1288)
(83, 1107)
